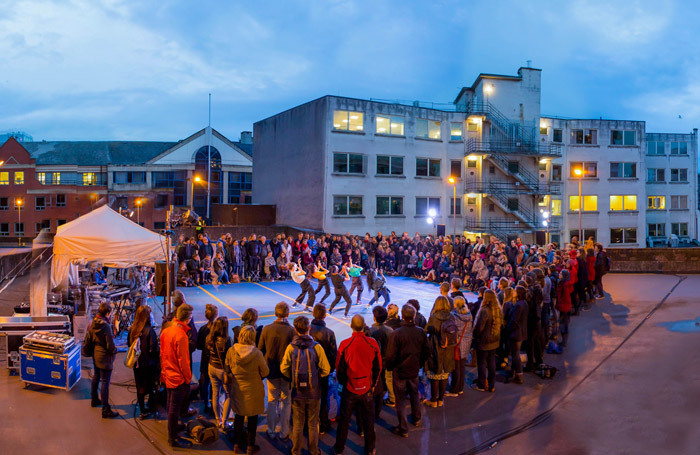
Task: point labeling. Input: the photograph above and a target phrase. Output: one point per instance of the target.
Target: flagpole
(209, 160)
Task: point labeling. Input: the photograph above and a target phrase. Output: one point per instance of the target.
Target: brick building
(46, 184)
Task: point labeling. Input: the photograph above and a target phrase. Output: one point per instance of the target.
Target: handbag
(132, 355)
(458, 355)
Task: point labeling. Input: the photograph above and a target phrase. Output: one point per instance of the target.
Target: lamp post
(138, 211)
(18, 203)
(197, 179)
(453, 182)
(578, 172)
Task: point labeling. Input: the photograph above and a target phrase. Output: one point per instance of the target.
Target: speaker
(540, 237)
(440, 230)
(161, 285)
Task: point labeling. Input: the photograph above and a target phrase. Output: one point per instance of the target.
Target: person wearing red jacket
(358, 366)
(564, 290)
(590, 265)
(176, 371)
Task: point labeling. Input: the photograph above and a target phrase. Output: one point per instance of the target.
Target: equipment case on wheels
(49, 369)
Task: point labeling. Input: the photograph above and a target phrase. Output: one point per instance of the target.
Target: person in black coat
(442, 359)
(326, 338)
(419, 319)
(516, 331)
(211, 312)
(99, 344)
(407, 352)
(147, 368)
(381, 332)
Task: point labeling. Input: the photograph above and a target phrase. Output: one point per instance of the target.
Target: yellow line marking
(286, 296)
(220, 301)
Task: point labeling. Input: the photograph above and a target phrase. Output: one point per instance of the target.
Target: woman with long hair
(441, 361)
(146, 370)
(217, 344)
(487, 333)
(516, 331)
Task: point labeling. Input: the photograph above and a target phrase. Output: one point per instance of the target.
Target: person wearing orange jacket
(176, 370)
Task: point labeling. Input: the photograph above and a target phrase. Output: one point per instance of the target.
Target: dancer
(338, 278)
(299, 276)
(354, 272)
(320, 274)
(377, 283)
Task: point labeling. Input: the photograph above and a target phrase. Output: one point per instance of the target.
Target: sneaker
(309, 309)
(450, 394)
(107, 413)
(432, 404)
(598, 297)
(439, 404)
(253, 449)
(416, 422)
(237, 450)
(389, 403)
(346, 317)
(179, 443)
(369, 305)
(96, 403)
(399, 432)
(295, 304)
(476, 387)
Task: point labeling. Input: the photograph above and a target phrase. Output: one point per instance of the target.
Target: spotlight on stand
(429, 220)
(186, 218)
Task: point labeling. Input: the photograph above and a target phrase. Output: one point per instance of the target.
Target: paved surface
(643, 399)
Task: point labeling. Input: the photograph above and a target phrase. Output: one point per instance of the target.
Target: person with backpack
(246, 367)
(517, 331)
(305, 363)
(146, 369)
(217, 344)
(211, 312)
(273, 342)
(99, 344)
(463, 319)
(442, 339)
(326, 338)
(299, 276)
(376, 282)
(358, 368)
(338, 278)
(407, 351)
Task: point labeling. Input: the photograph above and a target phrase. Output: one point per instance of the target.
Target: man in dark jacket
(393, 321)
(419, 320)
(253, 250)
(273, 342)
(326, 338)
(380, 332)
(406, 353)
(601, 268)
(99, 344)
(359, 364)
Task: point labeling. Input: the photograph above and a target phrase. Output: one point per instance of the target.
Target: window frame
(676, 229)
(347, 121)
(4, 178)
(678, 198)
(4, 204)
(585, 165)
(4, 229)
(348, 205)
(622, 167)
(625, 135)
(428, 162)
(678, 148)
(452, 167)
(37, 206)
(652, 205)
(391, 159)
(561, 135)
(589, 136)
(657, 171)
(679, 172)
(429, 203)
(390, 201)
(458, 206)
(584, 196)
(428, 123)
(624, 203)
(19, 174)
(391, 119)
(461, 131)
(625, 232)
(348, 164)
(656, 146)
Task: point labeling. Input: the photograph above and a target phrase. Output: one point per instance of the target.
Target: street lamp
(197, 179)
(18, 203)
(578, 172)
(453, 182)
(138, 211)
(545, 223)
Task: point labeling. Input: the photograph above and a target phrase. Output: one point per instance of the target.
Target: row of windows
(589, 203)
(590, 136)
(659, 229)
(40, 202)
(617, 235)
(621, 170)
(19, 227)
(394, 205)
(354, 163)
(395, 125)
(657, 148)
(18, 178)
(125, 177)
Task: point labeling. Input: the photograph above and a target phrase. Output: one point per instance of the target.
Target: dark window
(238, 183)
(124, 177)
(623, 170)
(162, 201)
(556, 173)
(587, 233)
(492, 207)
(162, 179)
(455, 204)
(513, 167)
(348, 163)
(557, 135)
(492, 169)
(619, 137)
(513, 204)
(60, 222)
(456, 169)
(347, 205)
(679, 229)
(60, 200)
(427, 168)
(425, 204)
(4, 229)
(4, 203)
(40, 203)
(19, 229)
(387, 205)
(623, 235)
(389, 165)
(122, 202)
(657, 230)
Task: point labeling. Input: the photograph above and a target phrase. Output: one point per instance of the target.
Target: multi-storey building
(348, 165)
(46, 184)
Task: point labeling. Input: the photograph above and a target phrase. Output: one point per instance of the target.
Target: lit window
(619, 137)
(618, 202)
(586, 137)
(590, 169)
(88, 178)
(427, 168)
(556, 207)
(473, 125)
(41, 177)
(679, 202)
(4, 178)
(387, 205)
(19, 178)
(590, 203)
(389, 165)
(347, 205)
(56, 178)
(348, 121)
(679, 148)
(679, 229)
(655, 175)
(456, 131)
(348, 163)
(623, 235)
(655, 148)
(392, 125)
(623, 170)
(428, 129)
(656, 202)
(544, 130)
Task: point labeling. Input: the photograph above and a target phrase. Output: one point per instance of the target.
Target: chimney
(246, 137)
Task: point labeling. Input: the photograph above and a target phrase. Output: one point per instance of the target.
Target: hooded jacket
(326, 338)
(103, 341)
(465, 324)
(323, 369)
(248, 368)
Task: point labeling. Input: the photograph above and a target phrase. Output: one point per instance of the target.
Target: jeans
(217, 387)
(324, 421)
(305, 412)
(242, 437)
(535, 345)
(514, 350)
(323, 284)
(484, 360)
(401, 388)
(364, 405)
(437, 389)
(104, 376)
(383, 292)
(279, 403)
(222, 276)
(457, 384)
(598, 285)
(177, 397)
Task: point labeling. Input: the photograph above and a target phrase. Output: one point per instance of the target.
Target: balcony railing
(505, 187)
(513, 147)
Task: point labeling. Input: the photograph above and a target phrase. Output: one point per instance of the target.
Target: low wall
(238, 232)
(655, 260)
(8, 262)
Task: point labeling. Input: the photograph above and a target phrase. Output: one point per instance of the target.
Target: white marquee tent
(103, 236)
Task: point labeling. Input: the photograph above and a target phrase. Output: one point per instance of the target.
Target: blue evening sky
(141, 70)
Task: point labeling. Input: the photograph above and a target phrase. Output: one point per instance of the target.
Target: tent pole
(167, 259)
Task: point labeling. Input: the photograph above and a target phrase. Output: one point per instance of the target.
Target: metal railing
(505, 128)
(525, 214)
(507, 187)
(513, 147)
(502, 227)
(520, 173)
